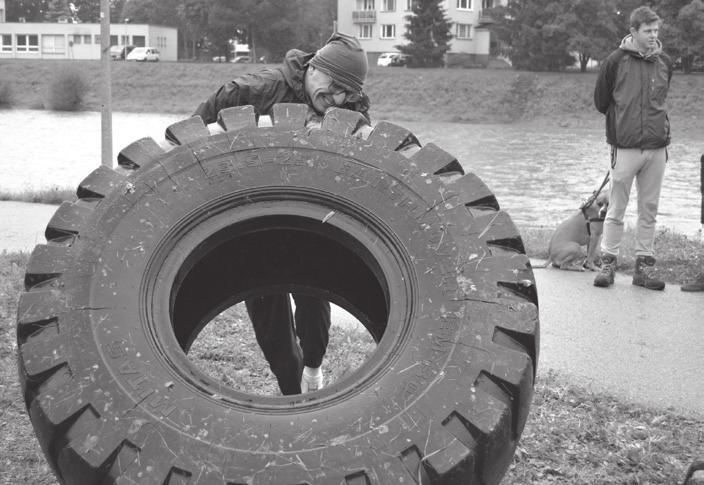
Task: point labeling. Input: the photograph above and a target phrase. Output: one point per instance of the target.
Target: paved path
(22, 225)
(643, 346)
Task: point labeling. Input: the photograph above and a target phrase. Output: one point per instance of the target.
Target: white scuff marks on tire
(465, 284)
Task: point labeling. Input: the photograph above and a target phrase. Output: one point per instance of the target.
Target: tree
(29, 10)
(193, 24)
(281, 31)
(535, 33)
(161, 12)
(88, 10)
(592, 27)
(57, 9)
(428, 33)
(222, 22)
(690, 21)
(681, 30)
(317, 23)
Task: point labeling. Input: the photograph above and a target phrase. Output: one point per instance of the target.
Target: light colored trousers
(648, 168)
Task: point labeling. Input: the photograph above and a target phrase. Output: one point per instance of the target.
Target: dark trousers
(276, 328)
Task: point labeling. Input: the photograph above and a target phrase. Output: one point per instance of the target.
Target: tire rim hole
(275, 254)
(226, 350)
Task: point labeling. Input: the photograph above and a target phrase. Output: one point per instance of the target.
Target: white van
(143, 54)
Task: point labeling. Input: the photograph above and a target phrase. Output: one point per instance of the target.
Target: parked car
(698, 64)
(400, 60)
(120, 52)
(143, 54)
(241, 59)
(389, 59)
(385, 59)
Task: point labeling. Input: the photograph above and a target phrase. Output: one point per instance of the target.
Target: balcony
(364, 16)
(485, 20)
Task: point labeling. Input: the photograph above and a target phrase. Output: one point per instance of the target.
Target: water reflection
(539, 176)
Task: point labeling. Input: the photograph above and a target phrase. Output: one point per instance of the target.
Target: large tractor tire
(396, 234)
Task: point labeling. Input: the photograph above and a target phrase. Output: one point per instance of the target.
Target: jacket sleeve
(227, 96)
(603, 92)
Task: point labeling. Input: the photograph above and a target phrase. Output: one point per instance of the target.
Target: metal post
(106, 105)
(701, 187)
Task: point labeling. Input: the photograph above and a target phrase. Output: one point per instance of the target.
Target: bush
(66, 90)
(5, 95)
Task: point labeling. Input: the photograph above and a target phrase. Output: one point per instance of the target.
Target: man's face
(646, 36)
(322, 90)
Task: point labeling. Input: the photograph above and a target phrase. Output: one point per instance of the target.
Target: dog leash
(588, 203)
(595, 194)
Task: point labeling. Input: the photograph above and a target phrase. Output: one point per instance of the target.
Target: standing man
(631, 90)
(332, 77)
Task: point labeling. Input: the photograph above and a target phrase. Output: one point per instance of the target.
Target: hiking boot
(312, 379)
(605, 278)
(645, 266)
(696, 284)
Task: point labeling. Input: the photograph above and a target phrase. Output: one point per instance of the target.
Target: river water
(539, 176)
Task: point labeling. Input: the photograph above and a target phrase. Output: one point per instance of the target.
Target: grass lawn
(463, 95)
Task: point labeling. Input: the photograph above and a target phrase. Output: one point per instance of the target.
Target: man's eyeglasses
(350, 97)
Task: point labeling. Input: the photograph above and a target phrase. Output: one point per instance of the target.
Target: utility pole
(106, 104)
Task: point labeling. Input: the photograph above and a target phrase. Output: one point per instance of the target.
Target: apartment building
(380, 24)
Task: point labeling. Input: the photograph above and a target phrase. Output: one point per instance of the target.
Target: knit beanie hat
(343, 59)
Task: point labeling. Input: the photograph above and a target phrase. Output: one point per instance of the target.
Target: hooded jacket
(266, 87)
(631, 90)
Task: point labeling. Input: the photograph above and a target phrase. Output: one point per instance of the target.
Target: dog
(584, 228)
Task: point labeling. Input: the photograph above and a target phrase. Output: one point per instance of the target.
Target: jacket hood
(294, 68)
(629, 45)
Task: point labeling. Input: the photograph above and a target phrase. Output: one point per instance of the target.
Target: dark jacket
(266, 87)
(631, 90)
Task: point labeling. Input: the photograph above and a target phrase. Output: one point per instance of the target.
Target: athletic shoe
(312, 379)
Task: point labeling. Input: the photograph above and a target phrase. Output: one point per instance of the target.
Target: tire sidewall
(135, 229)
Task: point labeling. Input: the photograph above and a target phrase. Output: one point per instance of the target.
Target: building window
(388, 5)
(53, 44)
(6, 43)
(86, 39)
(409, 5)
(27, 43)
(388, 31)
(113, 40)
(464, 4)
(160, 42)
(76, 39)
(463, 31)
(365, 4)
(139, 41)
(365, 31)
